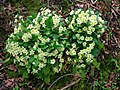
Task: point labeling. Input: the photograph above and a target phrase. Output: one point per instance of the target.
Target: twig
(80, 1)
(115, 10)
(93, 2)
(48, 3)
(95, 7)
(59, 79)
(71, 84)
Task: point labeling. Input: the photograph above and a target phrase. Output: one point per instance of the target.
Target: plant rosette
(47, 44)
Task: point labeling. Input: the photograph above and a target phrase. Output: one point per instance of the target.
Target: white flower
(55, 69)
(92, 12)
(20, 17)
(16, 21)
(56, 20)
(26, 37)
(34, 31)
(102, 30)
(82, 65)
(34, 71)
(89, 32)
(89, 56)
(80, 55)
(61, 29)
(16, 30)
(81, 61)
(55, 52)
(48, 39)
(73, 45)
(72, 52)
(21, 64)
(46, 11)
(35, 47)
(72, 12)
(33, 63)
(89, 49)
(79, 20)
(52, 61)
(88, 39)
(60, 55)
(73, 21)
(87, 11)
(31, 52)
(98, 36)
(78, 11)
(30, 26)
(84, 44)
(35, 56)
(66, 20)
(93, 22)
(67, 52)
(92, 44)
(61, 60)
(39, 50)
(24, 51)
(85, 29)
(43, 20)
(82, 38)
(92, 29)
(41, 65)
(60, 65)
(100, 20)
(69, 59)
(78, 66)
(44, 60)
(28, 70)
(77, 35)
(71, 26)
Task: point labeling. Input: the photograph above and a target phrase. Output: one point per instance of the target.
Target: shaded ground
(110, 10)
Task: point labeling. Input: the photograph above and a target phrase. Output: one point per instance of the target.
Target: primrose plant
(47, 44)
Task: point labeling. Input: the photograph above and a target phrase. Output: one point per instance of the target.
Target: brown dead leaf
(76, 76)
(12, 67)
(9, 83)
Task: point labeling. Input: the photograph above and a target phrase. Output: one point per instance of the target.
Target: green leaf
(95, 40)
(47, 79)
(39, 18)
(49, 22)
(36, 62)
(82, 73)
(74, 69)
(74, 37)
(79, 41)
(31, 59)
(29, 19)
(100, 45)
(33, 15)
(25, 74)
(6, 60)
(34, 37)
(116, 64)
(29, 65)
(46, 70)
(95, 52)
(25, 44)
(54, 36)
(64, 38)
(44, 47)
(96, 65)
(16, 88)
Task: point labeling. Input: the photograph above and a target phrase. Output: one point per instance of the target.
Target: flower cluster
(50, 42)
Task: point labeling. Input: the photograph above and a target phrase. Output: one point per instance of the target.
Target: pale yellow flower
(52, 61)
